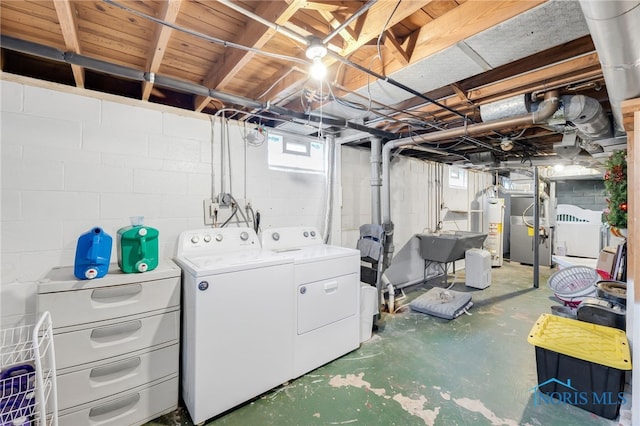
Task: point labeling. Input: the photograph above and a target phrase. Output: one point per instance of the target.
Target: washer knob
(306, 234)
(244, 236)
(313, 233)
(207, 238)
(275, 236)
(219, 237)
(195, 239)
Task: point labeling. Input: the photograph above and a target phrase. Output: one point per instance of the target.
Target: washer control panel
(216, 240)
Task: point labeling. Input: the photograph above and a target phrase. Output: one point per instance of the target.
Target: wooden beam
(69, 27)
(629, 108)
(396, 48)
(461, 94)
(377, 16)
(347, 33)
(466, 20)
(631, 119)
(254, 35)
(168, 13)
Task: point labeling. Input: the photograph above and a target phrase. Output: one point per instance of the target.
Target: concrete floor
(477, 369)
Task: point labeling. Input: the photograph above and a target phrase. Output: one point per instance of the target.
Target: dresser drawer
(115, 377)
(110, 339)
(80, 306)
(130, 408)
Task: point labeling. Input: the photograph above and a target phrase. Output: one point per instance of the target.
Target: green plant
(615, 182)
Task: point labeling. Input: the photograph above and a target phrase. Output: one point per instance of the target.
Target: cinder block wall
(587, 194)
(72, 160)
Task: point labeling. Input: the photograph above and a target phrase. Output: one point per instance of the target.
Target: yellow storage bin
(580, 363)
(583, 340)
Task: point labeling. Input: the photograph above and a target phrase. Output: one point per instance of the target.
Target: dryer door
(324, 302)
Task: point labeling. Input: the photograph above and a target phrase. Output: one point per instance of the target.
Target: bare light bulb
(318, 70)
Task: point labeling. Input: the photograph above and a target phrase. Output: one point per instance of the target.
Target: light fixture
(316, 51)
(506, 144)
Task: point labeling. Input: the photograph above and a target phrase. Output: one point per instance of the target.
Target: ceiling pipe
(349, 20)
(279, 28)
(39, 50)
(612, 25)
(545, 110)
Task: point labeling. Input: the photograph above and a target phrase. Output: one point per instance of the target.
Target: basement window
(457, 178)
(288, 153)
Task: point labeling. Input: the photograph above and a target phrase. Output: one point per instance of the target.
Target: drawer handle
(117, 292)
(123, 366)
(331, 287)
(115, 330)
(118, 405)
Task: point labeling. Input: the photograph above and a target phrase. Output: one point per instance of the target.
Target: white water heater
(493, 243)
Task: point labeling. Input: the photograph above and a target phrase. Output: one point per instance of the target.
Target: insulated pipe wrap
(510, 107)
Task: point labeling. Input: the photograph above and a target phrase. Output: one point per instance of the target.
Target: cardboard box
(606, 260)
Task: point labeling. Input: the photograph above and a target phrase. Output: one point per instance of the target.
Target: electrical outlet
(209, 209)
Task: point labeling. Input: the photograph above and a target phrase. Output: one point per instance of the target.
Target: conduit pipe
(39, 50)
(349, 20)
(614, 29)
(545, 110)
(376, 182)
(279, 28)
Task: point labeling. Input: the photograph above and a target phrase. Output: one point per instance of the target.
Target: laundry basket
(573, 284)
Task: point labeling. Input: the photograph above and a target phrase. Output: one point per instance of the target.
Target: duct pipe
(291, 34)
(349, 20)
(588, 116)
(612, 25)
(545, 110)
(376, 182)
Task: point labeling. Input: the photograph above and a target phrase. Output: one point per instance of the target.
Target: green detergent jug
(137, 248)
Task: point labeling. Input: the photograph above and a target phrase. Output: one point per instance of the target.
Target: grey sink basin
(449, 246)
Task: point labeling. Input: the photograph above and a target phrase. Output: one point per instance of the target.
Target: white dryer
(327, 295)
(237, 323)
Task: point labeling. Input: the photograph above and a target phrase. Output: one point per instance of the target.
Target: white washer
(327, 295)
(237, 321)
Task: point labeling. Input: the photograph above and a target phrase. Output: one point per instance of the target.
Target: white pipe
(376, 147)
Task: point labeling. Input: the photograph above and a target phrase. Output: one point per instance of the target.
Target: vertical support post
(536, 227)
(376, 181)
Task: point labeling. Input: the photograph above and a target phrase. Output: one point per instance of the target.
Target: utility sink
(447, 247)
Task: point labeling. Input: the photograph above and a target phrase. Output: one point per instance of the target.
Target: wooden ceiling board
(175, 62)
(436, 9)
(117, 36)
(211, 18)
(189, 45)
(88, 14)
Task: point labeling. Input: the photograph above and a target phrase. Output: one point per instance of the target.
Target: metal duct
(612, 25)
(545, 110)
(588, 116)
(510, 107)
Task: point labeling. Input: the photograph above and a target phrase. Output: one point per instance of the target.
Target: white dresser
(117, 341)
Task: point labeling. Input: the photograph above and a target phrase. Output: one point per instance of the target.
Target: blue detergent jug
(93, 254)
